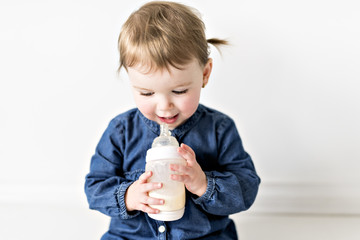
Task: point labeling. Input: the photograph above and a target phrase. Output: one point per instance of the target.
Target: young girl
(166, 55)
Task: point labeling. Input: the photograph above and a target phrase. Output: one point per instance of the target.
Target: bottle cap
(160, 153)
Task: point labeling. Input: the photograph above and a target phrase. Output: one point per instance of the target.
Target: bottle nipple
(165, 138)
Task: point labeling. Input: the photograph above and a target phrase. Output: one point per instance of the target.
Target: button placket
(161, 230)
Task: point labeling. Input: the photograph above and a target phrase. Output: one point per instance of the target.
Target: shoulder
(214, 115)
(124, 117)
(123, 122)
(219, 122)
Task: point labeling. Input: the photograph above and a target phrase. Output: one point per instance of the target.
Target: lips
(169, 120)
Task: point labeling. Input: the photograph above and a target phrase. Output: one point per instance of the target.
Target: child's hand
(137, 198)
(191, 175)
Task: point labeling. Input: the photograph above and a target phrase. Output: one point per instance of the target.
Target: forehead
(142, 73)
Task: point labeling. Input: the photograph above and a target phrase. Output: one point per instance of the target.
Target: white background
(290, 79)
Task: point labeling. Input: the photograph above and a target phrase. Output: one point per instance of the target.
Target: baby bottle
(162, 153)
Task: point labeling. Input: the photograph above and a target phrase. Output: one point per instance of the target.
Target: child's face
(169, 96)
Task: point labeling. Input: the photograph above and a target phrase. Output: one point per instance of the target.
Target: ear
(207, 72)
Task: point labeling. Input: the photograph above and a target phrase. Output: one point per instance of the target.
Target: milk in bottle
(162, 153)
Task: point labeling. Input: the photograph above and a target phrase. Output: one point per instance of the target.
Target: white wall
(290, 79)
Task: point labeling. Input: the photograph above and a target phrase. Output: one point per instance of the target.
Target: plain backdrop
(290, 79)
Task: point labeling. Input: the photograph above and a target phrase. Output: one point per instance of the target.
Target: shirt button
(162, 228)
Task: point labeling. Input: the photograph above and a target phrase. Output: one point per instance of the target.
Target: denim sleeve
(233, 187)
(104, 186)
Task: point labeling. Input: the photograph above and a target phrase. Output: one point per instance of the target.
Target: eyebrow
(177, 86)
(184, 84)
(143, 89)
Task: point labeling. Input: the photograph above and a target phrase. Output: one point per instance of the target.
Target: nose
(165, 103)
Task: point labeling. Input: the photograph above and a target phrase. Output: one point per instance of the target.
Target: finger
(147, 187)
(152, 201)
(146, 208)
(145, 176)
(180, 169)
(179, 178)
(187, 155)
(187, 148)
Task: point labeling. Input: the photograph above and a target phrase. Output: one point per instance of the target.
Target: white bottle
(162, 153)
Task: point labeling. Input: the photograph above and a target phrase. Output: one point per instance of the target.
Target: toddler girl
(165, 52)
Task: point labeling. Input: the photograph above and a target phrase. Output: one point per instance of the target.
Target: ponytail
(216, 42)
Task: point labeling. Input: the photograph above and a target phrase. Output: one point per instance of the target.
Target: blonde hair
(161, 33)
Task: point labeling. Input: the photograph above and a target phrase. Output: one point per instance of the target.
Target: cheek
(190, 104)
(145, 106)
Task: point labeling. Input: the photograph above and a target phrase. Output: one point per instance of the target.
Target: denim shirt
(119, 160)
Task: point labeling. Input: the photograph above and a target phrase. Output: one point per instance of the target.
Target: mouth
(169, 120)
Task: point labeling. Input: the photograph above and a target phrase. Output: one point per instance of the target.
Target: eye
(180, 92)
(146, 94)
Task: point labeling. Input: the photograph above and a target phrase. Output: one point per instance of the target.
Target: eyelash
(180, 92)
(148, 94)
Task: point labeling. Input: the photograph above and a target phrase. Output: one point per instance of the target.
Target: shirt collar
(179, 130)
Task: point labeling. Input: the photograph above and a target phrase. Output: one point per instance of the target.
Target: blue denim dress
(119, 160)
